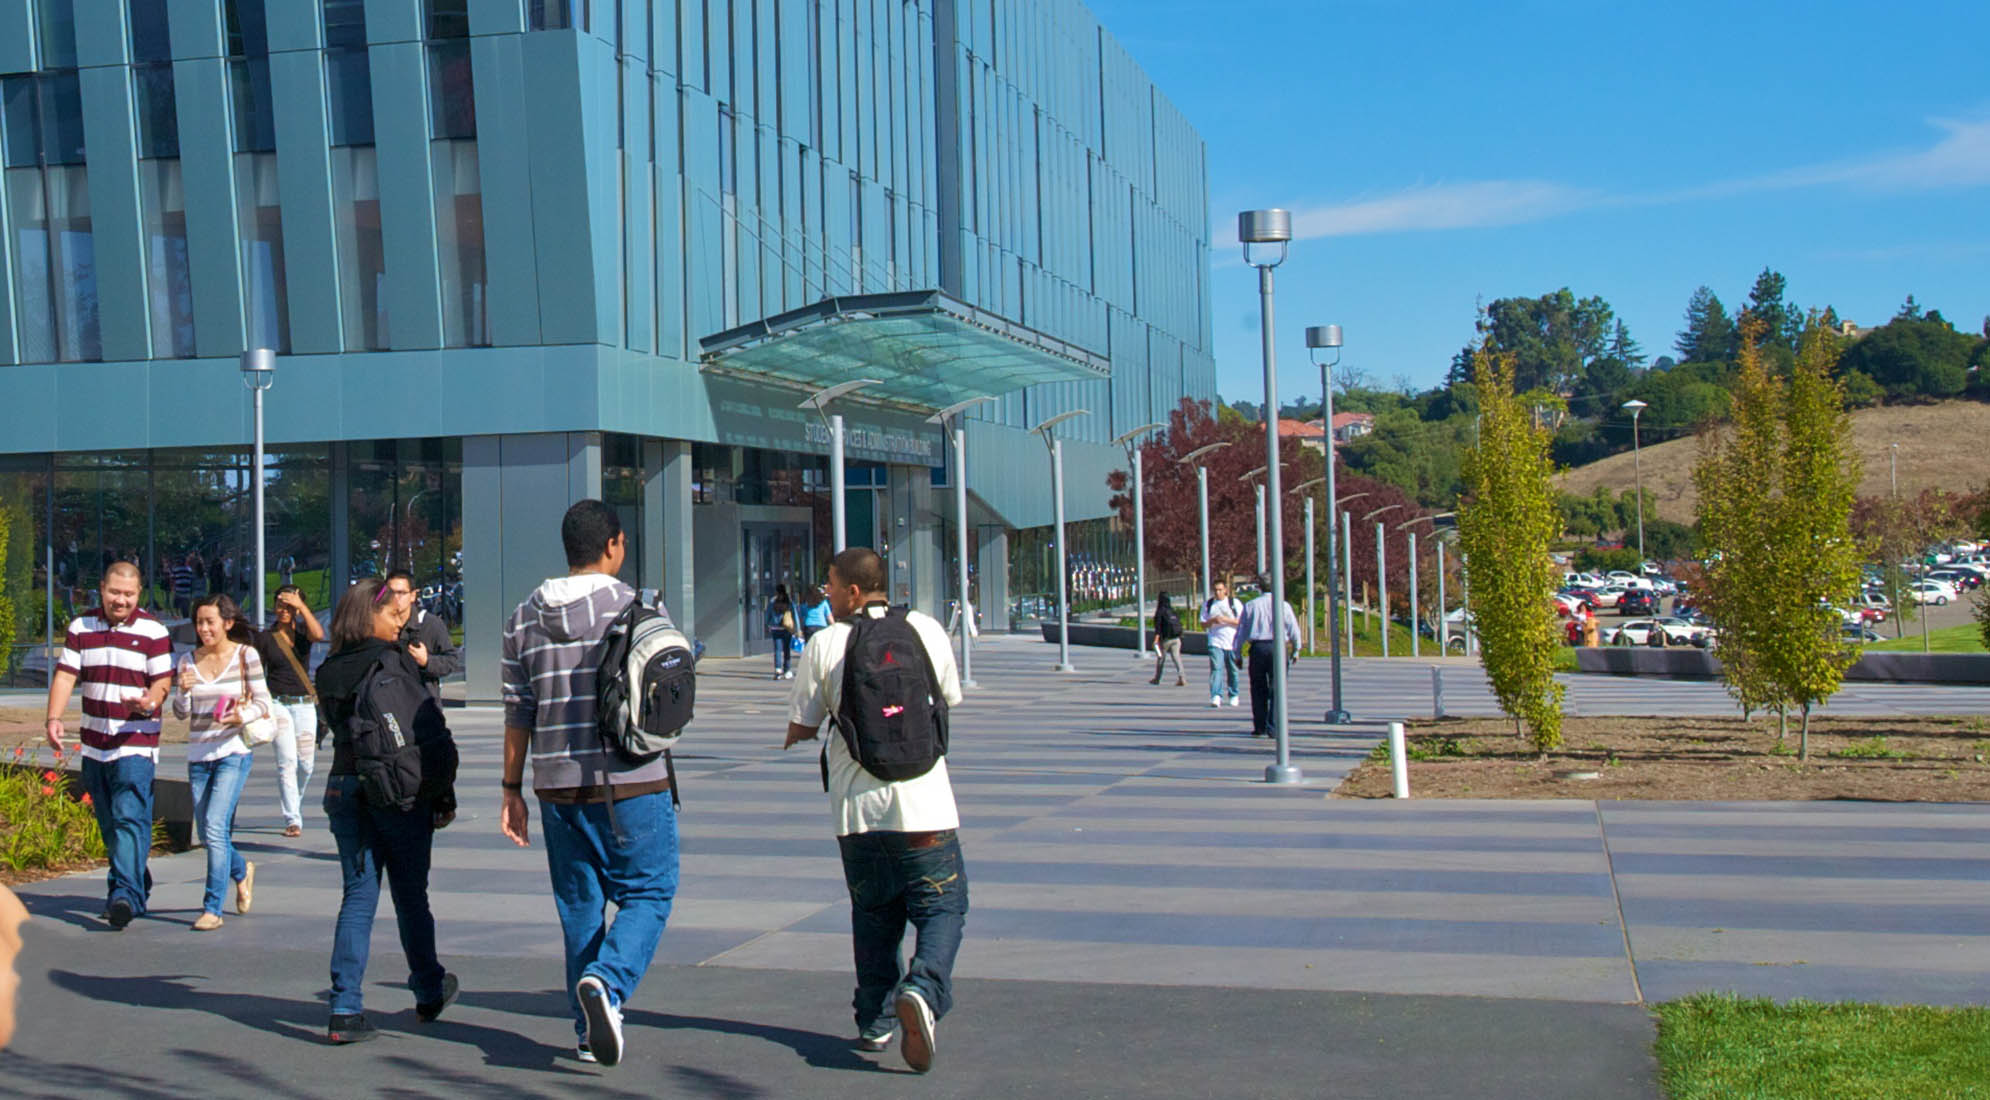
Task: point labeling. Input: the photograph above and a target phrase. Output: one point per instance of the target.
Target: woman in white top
(218, 687)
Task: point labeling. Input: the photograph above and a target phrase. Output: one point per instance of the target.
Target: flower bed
(46, 822)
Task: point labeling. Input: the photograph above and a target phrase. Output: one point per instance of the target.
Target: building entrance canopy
(926, 349)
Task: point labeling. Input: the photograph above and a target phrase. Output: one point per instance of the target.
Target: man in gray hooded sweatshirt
(610, 828)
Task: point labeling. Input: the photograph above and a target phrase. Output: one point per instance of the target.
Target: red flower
(87, 801)
(49, 776)
(20, 751)
(46, 789)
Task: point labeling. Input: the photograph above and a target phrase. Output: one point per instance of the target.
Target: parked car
(1934, 592)
(1638, 632)
(1859, 633)
(1962, 580)
(1638, 601)
(1607, 596)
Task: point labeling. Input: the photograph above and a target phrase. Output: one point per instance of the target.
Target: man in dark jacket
(426, 637)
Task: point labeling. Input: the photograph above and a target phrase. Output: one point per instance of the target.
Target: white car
(1638, 632)
(1582, 580)
(1628, 580)
(1934, 592)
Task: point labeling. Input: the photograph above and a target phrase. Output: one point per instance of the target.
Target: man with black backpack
(609, 823)
(885, 678)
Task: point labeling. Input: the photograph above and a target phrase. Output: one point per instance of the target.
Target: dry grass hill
(1941, 446)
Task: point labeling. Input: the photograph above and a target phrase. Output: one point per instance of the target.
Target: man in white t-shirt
(899, 839)
(1219, 617)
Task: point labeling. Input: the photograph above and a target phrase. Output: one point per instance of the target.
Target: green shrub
(42, 824)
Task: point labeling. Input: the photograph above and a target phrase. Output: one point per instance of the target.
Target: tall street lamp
(259, 372)
(1382, 571)
(1345, 523)
(1202, 501)
(1416, 611)
(1303, 491)
(1637, 464)
(956, 414)
(819, 401)
(1056, 447)
(1126, 439)
(1258, 489)
(1321, 339)
(1893, 567)
(1271, 231)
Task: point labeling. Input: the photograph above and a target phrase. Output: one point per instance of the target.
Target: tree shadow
(22, 1075)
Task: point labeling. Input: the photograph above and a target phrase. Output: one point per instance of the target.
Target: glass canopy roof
(926, 349)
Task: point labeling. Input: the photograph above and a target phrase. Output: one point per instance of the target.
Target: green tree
(1913, 356)
(1782, 324)
(7, 592)
(1709, 336)
(1551, 339)
(1506, 521)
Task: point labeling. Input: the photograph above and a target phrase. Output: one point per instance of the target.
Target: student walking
(218, 689)
(899, 837)
(123, 658)
(817, 614)
(425, 638)
(1255, 627)
(1167, 640)
(1219, 618)
(285, 649)
(375, 831)
(610, 827)
(781, 628)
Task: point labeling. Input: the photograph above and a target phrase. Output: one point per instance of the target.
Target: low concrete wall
(1194, 643)
(172, 803)
(1680, 663)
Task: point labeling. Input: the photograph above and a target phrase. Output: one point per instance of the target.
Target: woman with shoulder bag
(781, 628)
(373, 838)
(1167, 640)
(219, 689)
(286, 652)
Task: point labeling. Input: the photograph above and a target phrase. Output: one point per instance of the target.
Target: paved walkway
(1149, 919)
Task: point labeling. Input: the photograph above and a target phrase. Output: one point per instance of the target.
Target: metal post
(838, 536)
(1347, 574)
(1399, 765)
(1637, 465)
(1338, 714)
(1312, 639)
(1382, 584)
(1437, 691)
(1443, 623)
(1416, 634)
(256, 471)
(960, 511)
(1465, 604)
(1063, 585)
(1283, 771)
(1139, 562)
(1260, 529)
(1202, 499)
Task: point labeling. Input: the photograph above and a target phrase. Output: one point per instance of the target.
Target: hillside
(1941, 446)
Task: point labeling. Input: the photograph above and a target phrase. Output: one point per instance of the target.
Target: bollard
(1399, 763)
(1436, 692)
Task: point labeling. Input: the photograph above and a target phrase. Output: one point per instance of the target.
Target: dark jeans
(1262, 722)
(631, 862)
(121, 794)
(783, 648)
(891, 884)
(372, 840)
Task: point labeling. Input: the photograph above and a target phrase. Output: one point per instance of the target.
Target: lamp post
(956, 414)
(1319, 339)
(1637, 464)
(1271, 231)
(1056, 447)
(259, 372)
(1303, 491)
(1202, 500)
(1126, 439)
(1258, 488)
(1892, 567)
(819, 401)
(1382, 571)
(1416, 611)
(1344, 565)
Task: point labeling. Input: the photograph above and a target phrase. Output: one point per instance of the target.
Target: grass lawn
(1715, 1046)
(1949, 639)
(1368, 640)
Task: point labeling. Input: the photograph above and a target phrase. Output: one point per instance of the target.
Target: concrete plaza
(1149, 918)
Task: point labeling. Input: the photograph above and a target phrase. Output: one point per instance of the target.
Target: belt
(294, 700)
(928, 840)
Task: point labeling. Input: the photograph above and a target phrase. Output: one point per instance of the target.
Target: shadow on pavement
(817, 1049)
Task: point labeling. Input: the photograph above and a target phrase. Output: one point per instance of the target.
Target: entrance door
(774, 554)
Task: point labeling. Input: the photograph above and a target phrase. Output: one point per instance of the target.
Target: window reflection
(362, 258)
(169, 282)
(265, 297)
(459, 227)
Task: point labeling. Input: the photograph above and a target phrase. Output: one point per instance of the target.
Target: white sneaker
(916, 1020)
(1216, 700)
(604, 1020)
(1236, 700)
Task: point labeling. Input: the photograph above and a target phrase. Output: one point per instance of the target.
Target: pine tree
(1505, 523)
(1782, 323)
(1709, 336)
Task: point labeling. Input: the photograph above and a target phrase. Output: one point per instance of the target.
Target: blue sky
(1437, 154)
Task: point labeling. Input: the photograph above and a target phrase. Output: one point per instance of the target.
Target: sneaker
(245, 890)
(917, 1019)
(293, 830)
(604, 1020)
(1216, 700)
(879, 1034)
(119, 914)
(586, 1054)
(355, 1028)
(427, 1011)
(207, 922)
(1236, 700)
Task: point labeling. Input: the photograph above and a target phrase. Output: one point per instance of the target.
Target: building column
(992, 577)
(341, 549)
(673, 531)
(920, 538)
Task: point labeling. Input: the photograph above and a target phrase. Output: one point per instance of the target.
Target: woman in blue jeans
(218, 687)
(372, 839)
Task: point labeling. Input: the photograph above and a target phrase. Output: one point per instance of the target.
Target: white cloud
(1442, 206)
(1961, 158)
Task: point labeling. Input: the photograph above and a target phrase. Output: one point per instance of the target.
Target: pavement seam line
(1617, 897)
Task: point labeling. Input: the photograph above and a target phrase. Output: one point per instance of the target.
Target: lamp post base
(1067, 668)
(1338, 718)
(1287, 775)
(970, 683)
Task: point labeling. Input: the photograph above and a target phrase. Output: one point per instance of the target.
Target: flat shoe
(207, 922)
(293, 830)
(245, 890)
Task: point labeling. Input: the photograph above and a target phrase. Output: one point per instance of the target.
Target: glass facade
(362, 252)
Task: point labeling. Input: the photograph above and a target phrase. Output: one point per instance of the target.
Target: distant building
(1349, 427)
(1307, 432)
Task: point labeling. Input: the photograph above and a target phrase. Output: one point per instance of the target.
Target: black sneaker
(604, 1020)
(427, 1011)
(879, 1034)
(355, 1028)
(119, 914)
(586, 1054)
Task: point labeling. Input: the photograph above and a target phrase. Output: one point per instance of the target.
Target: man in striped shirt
(123, 658)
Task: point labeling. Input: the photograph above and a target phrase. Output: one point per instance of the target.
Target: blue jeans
(372, 840)
(783, 648)
(217, 788)
(891, 884)
(632, 863)
(1222, 671)
(121, 793)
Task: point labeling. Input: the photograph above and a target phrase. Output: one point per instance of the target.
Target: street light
(1382, 571)
(1319, 339)
(1345, 523)
(1202, 499)
(819, 401)
(1637, 464)
(1266, 229)
(1893, 567)
(259, 372)
(1056, 447)
(1301, 491)
(1125, 439)
(1416, 611)
(956, 413)
(1259, 529)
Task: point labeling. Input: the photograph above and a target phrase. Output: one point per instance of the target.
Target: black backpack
(401, 746)
(1167, 624)
(892, 716)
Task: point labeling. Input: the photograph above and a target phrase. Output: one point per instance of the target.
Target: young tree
(1507, 519)
(1709, 336)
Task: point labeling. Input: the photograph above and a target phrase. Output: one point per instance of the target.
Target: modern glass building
(512, 253)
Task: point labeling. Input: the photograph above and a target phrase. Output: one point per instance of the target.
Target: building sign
(746, 415)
